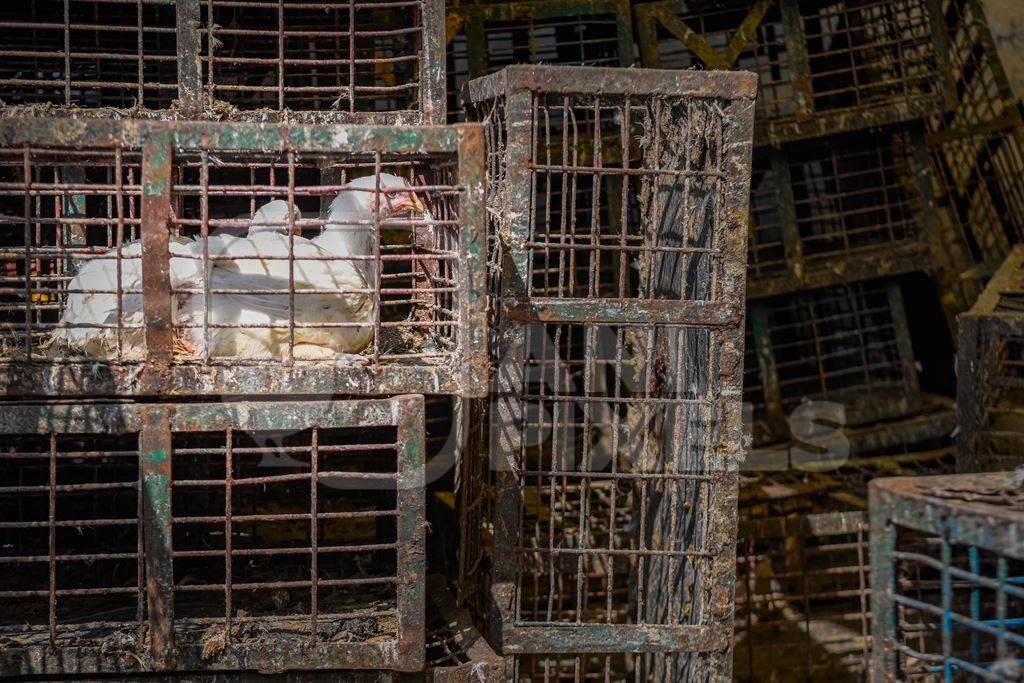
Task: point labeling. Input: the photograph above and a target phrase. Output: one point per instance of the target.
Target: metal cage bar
(946, 559)
(282, 588)
(990, 358)
(179, 187)
(568, 163)
(318, 62)
(484, 38)
(842, 67)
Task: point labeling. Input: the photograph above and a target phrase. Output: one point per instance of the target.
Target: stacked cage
(216, 337)
(946, 560)
(851, 258)
(990, 373)
(602, 536)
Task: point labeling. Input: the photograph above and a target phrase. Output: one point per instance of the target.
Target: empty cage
(333, 62)
(227, 298)
(840, 209)
(823, 67)
(620, 198)
(945, 562)
(803, 583)
(217, 536)
(849, 345)
(486, 37)
(990, 373)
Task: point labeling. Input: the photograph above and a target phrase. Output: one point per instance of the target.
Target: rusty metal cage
(802, 555)
(848, 344)
(189, 536)
(823, 67)
(484, 38)
(946, 561)
(978, 146)
(322, 62)
(87, 310)
(839, 209)
(456, 651)
(990, 373)
(602, 431)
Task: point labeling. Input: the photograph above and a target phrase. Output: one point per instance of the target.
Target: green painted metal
(513, 96)
(160, 142)
(162, 649)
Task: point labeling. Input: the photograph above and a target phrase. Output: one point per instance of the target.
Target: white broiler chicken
(89, 320)
(260, 321)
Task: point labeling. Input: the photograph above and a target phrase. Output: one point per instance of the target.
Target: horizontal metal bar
(599, 638)
(638, 311)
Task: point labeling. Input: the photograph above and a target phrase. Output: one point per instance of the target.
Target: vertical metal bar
(156, 478)
(940, 46)
(280, 57)
(140, 550)
(761, 333)
(52, 532)
(27, 177)
(189, 61)
(883, 585)
(157, 158)
(433, 99)
(204, 235)
(139, 52)
(411, 505)
(118, 244)
(786, 207)
(67, 52)
(378, 201)
(624, 31)
(1002, 572)
(229, 477)
(911, 388)
(314, 575)
(975, 567)
(289, 357)
(352, 56)
(472, 257)
(946, 586)
(862, 585)
(476, 44)
(799, 62)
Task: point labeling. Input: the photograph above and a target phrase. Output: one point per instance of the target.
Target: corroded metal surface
(822, 71)
(565, 553)
(260, 60)
(178, 178)
(204, 604)
(945, 551)
(990, 350)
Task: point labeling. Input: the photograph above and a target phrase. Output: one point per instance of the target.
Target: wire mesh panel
(335, 61)
(484, 38)
(325, 62)
(90, 53)
(803, 591)
(849, 345)
(823, 67)
(840, 209)
(990, 373)
(619, 198)
(71, 553)
(266, 248)
(945, 566)
(271, 536)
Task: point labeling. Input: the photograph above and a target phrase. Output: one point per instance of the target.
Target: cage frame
(912, 503)
(190, 20)
(807, 123)
(980, 331)
(155, 423)
(158, 141)
(472, 18)
(518, 85)
(800, 271)
(908, 401)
